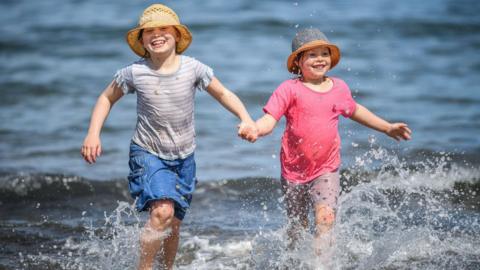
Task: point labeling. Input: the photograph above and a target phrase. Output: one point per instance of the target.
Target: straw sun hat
(308, 39)
(158, 15)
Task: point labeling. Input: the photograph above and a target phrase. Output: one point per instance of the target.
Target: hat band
(312, 43)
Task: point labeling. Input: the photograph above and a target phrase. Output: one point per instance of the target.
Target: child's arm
(247, 128)
(92, 147)
(365, 117)
(266, 124)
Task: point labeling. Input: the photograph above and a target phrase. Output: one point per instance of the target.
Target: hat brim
(334, 54)
(136, 45)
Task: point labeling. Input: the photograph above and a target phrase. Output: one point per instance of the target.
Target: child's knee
(162, 214)
(324, 215)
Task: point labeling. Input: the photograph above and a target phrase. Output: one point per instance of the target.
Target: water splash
(393, 213)
(113, 245)
(405, 214)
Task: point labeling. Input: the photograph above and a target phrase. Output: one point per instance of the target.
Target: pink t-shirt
(310, 143)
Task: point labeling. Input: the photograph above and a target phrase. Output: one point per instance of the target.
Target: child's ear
(297, 64)
(297, 60)
(296, 67)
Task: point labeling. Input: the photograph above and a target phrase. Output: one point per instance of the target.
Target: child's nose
(322, 58)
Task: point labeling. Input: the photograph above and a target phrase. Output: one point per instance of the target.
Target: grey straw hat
(307, 39)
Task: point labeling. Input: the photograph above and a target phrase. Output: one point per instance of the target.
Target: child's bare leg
(324, 193)
(170, 245)
(324, 220)
(157, 229)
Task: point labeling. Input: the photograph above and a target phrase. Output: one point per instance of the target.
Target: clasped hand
(248, 131)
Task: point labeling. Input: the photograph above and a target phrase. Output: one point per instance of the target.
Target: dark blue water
(411, 61)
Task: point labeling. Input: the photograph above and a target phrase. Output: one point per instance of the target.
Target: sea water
(408, 205)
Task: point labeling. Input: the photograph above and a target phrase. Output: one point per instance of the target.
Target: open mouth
(319, 66)
(158, 43)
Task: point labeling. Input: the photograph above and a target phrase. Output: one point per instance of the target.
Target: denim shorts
(152, 178)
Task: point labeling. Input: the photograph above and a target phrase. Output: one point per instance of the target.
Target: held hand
(399, 131)
(91, 149)
(248, 131)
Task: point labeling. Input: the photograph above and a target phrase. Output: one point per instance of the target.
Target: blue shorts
(152, 178)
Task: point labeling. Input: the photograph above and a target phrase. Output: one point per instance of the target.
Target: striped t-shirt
(165, 105)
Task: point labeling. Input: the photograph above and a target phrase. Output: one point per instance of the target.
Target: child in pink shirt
(310, 152)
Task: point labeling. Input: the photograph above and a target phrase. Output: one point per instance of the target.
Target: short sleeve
(203, 74)
(279, 102)
(124, 79)
(347, 106)
(350, 106)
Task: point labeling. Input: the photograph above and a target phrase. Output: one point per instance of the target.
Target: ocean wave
(39, 187)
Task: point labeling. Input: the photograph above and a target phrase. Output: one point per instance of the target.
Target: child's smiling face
(159, 40)
(315, 63)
